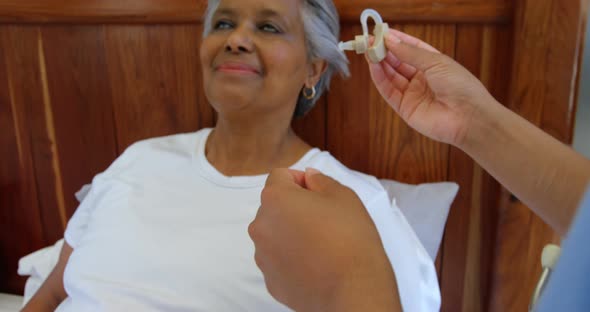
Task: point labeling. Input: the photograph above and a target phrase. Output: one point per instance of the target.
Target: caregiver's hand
(318, 248)
(439, 98)
(434, 94)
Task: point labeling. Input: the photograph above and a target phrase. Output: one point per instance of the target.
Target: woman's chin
(231, 101)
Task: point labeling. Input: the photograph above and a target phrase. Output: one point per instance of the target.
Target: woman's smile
(238, 68)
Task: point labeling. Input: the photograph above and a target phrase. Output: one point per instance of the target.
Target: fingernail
(311, 171)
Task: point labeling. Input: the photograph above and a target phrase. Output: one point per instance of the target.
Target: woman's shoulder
(367, 187)
(159, 149)
(182, 142)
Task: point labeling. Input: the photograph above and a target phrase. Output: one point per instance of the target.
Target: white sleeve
(78, 224)
(414, 270)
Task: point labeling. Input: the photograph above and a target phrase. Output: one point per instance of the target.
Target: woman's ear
(316, 69)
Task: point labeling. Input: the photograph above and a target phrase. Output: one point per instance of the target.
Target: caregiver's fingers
(407, 70)
(385, 76)
(419, 58)
(388, 90)
(400, 82)
(298, 177)
(379, 77)
(318, 182)
(394, 33)
(284, 176)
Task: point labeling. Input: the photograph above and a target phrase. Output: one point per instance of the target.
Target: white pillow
(10, 303)
(426, 207)
(37, 266)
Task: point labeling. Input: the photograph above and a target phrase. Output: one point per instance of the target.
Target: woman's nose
(239, 41)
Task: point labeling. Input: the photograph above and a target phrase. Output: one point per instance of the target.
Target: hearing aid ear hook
(377, 52)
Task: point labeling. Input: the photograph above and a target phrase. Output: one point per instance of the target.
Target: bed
(10, 303)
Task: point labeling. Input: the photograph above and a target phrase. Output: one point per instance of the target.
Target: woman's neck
(247, 148)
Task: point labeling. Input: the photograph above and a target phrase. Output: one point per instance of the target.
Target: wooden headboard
(82, 80)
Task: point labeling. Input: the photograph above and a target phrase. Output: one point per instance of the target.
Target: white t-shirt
(162, 230)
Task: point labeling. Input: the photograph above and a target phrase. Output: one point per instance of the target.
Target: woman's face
(254, 59)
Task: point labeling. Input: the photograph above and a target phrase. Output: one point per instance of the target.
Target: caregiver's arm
(544, 173)
(52, 292)
(442, 100)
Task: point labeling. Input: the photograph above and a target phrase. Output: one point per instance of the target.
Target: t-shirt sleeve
(415, 272)
(78, 223)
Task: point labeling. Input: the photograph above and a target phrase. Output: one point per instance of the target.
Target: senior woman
(165, 226)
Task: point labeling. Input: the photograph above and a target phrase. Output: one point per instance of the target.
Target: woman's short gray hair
(322, 30)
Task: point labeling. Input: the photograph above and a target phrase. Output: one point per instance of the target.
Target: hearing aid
(360, 44)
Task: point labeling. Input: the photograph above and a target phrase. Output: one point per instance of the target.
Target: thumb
(285, 177)
(318, 182)
(420, 58)
(298, 177)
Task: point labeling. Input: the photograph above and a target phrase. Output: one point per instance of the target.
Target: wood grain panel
(161, 65)
(494, 61)
(544, 73)
(81, 104)
(29, 94)
(102, 11)
(459, 11)
(464, 215)
(191, 11)
(366, 134)
(471, 225)
(312, 127)
(558, 114)
(347, 123)
(21, 230)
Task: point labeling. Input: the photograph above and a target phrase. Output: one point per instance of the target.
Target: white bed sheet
(10, 303)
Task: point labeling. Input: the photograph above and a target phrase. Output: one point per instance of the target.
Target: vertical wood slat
(457, 266)
(24, 70)
(347, 130)
(544, 72)
(312, 127)
(190, 11)
(162, 67)
(81, 104)
(495, 60)
(471, 224)
(19, 199)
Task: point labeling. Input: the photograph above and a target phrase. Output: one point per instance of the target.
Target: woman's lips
(238, 68)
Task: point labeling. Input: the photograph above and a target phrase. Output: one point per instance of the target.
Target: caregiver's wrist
(483, 125)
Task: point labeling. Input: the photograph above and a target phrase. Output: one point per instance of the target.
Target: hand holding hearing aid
(430, 91)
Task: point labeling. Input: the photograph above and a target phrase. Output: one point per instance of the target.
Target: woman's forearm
(47, 297)
(545, 174)
(52, 291)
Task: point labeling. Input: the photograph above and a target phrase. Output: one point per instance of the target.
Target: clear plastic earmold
(360, 44)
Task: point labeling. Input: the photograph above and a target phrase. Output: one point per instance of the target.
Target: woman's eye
(221, 25)
(269, 28)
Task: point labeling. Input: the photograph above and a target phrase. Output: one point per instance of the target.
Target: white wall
(582, 129)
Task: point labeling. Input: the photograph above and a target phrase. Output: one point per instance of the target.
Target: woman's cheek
(288, 56)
